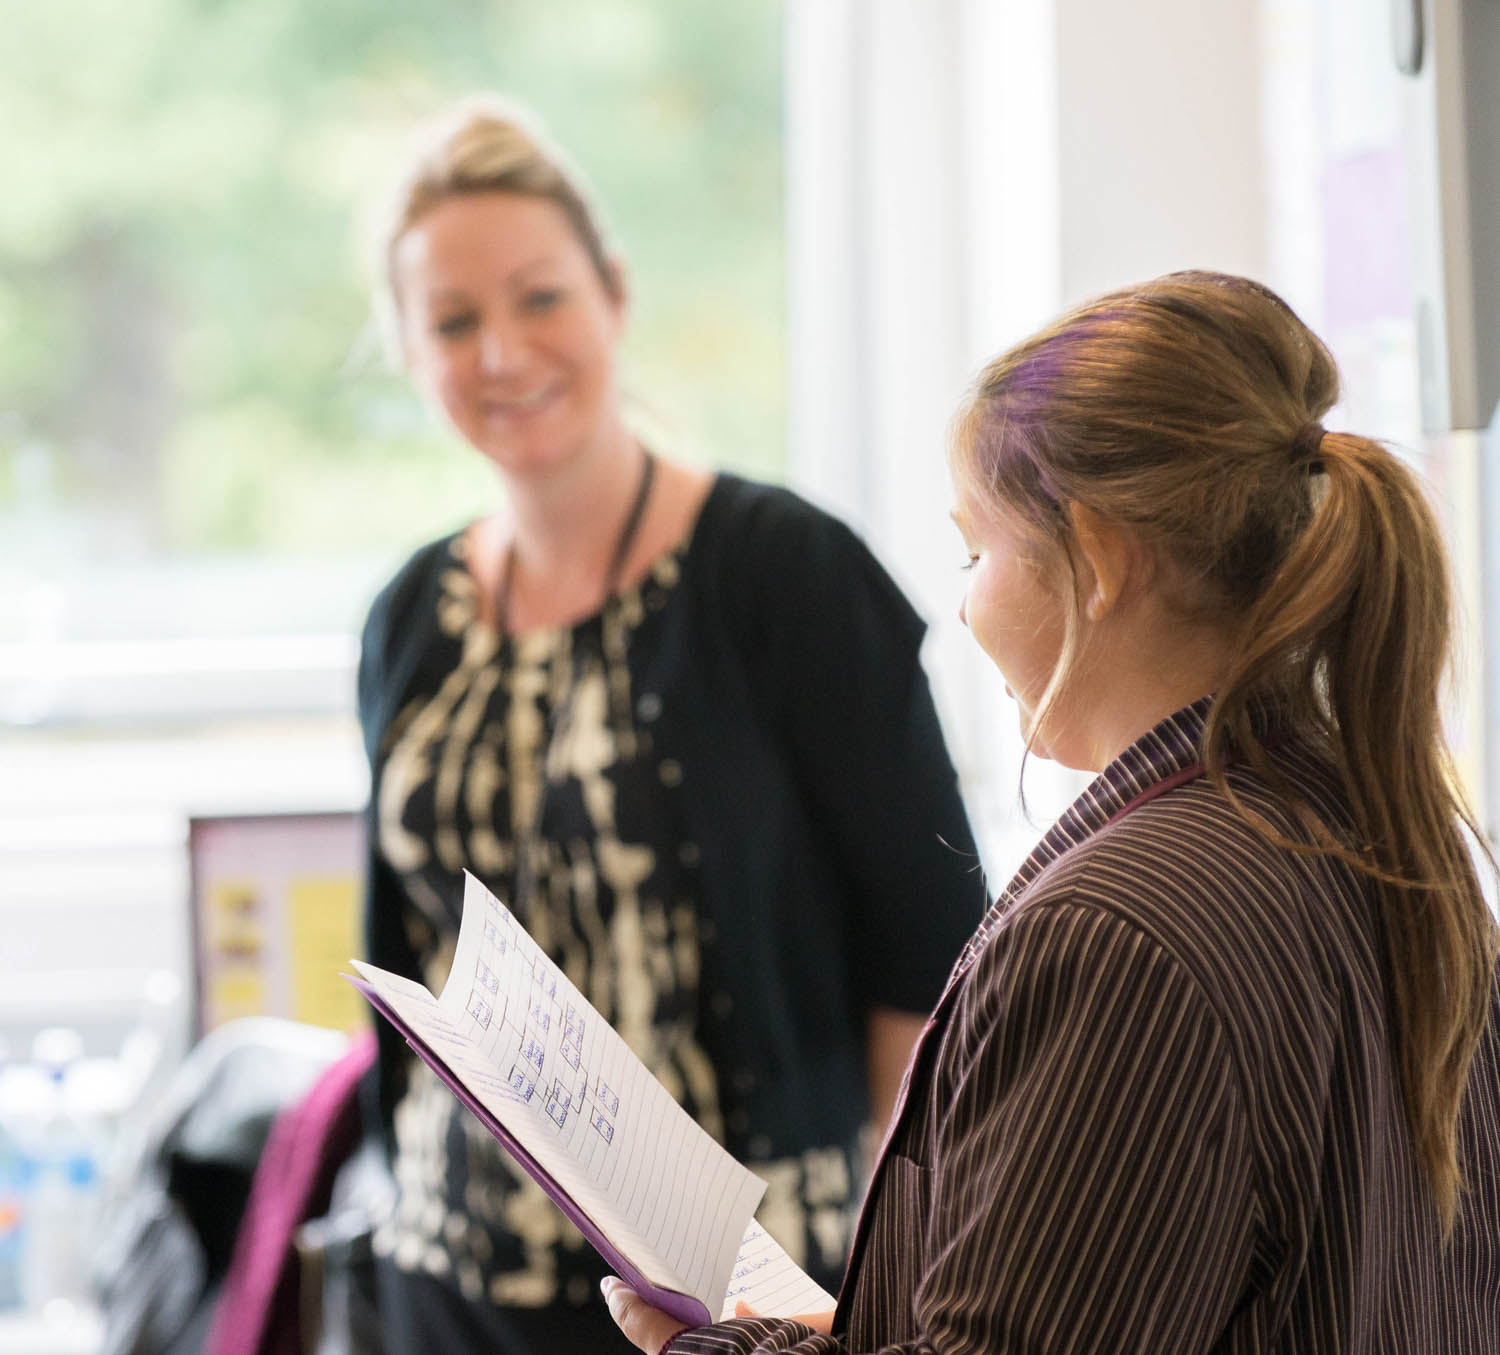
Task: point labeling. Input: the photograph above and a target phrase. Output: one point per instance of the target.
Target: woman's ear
(617, 284)
(1113, 558)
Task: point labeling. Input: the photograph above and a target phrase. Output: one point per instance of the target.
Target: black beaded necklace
(527, 842)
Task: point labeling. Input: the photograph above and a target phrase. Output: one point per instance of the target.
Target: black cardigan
(838, 869)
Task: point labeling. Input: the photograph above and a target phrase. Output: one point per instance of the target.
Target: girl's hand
(822, 1322)
(647, 1328)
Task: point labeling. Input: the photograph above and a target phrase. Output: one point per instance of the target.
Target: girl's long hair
(1189, 410)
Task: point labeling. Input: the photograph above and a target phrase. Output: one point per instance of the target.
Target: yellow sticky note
(323, 921)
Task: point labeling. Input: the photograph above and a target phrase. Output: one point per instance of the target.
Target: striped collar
(1166, 755)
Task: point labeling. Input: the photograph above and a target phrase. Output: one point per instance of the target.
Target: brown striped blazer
(1155, 1110)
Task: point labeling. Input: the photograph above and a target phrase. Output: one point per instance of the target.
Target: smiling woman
(205, 468)
(675, 719)
(510, 326)
(510, 312)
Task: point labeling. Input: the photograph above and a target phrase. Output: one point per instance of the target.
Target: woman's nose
(499, 345)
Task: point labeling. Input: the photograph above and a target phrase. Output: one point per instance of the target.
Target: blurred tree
(185, 362)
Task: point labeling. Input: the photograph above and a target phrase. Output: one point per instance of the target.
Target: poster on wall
(275, 912)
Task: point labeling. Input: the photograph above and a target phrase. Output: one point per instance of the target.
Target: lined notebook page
(767, 1279)
(541, 1059)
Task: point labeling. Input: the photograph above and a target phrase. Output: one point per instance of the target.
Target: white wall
(1159, 148)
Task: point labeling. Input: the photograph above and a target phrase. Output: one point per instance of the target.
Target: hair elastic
(1307, 445)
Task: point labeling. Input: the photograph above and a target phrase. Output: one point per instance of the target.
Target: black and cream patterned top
(1156, 1111)
(660, 792)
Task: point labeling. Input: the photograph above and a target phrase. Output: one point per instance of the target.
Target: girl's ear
(1112, 557)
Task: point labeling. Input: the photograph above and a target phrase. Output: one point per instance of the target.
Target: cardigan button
(759, 1148)
(723, 1004)
(739, 1120)
(648, 708)
(742, 1080)
(689, 855)
(670, 772)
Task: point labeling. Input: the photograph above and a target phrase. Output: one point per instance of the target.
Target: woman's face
(1015, 609)
(507, 324)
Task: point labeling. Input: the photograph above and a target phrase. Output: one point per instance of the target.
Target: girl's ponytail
(1354, 627)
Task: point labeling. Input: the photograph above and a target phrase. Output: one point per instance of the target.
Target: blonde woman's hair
(1189, 409)
(485, 144)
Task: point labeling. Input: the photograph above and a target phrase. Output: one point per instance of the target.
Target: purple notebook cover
(683, 1307)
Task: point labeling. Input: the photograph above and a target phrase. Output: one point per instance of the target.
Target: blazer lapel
(1161, 760)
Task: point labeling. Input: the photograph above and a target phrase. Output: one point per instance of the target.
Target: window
(206, 468)
(198, 435)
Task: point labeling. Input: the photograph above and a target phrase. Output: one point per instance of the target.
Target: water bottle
(61, 1220)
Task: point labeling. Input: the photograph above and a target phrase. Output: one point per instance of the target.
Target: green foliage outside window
(186, 363)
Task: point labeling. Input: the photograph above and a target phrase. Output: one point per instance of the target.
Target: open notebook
(660, 1200)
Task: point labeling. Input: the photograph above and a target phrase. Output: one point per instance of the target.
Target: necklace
(529, 840)
(628, 532)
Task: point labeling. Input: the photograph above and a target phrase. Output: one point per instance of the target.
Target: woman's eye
(970, 562)
(451, 326)
(542, 299)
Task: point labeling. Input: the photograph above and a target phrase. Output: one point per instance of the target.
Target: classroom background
(833, 211)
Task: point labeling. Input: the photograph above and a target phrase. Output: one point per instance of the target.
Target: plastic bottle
(61, 1223)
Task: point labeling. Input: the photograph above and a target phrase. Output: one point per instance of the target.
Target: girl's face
(507, 324)
(1016, 610)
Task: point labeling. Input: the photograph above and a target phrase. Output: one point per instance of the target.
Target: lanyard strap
(1178, 778)
(623, 543)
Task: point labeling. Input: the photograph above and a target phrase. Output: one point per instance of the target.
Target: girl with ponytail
(1220, 1070)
